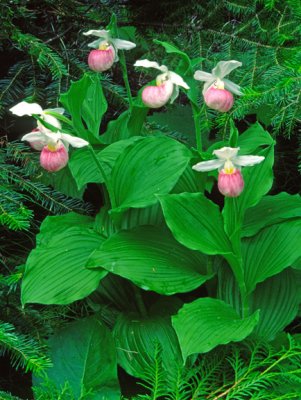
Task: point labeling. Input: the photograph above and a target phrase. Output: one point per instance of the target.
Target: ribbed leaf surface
(55, 271)
(83, 354)
(152, 259)
(148, 167)
(271, 210)
(269, 252)
(136, 340)
(206, 323)
(195, 222)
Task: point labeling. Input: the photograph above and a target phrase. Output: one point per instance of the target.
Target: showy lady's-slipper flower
(105, 55)
(53, 145)
(230, 180)
(217, 90)
(167, 85)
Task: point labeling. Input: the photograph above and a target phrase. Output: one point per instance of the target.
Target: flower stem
(197, 127)
(125, 78)
(104, 177)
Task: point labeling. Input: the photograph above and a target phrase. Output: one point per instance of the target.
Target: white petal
(207, 86)
(210, 165)
(122, 44)
(203, 76)
(178, 80)
(224, 68)
(74, 141)
(232, 87)
(95, 44)
(244, 161)
(49, 119)
(34, 137)
(25, 108)
(99, 33)
(150, 64)
(226, 153)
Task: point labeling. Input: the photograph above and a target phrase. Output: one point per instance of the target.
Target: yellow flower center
(228, 167)
(53, 146)
(103, 46)
(218, 84)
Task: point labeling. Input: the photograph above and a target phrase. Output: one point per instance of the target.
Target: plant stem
(125, 78)
(197, 127)
(104, 176)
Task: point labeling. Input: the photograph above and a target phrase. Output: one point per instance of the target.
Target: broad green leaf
(269, 252)
(206, 323)
(271, 210)
(277, 298)
(55, 271)
(152, 259)
(83, 354)
(84, 168)
(148, 167)
(253, 138)
(136, 341)
(170, 48)
(86, 104)
(196, 222)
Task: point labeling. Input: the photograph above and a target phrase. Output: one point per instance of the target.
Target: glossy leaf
(148, 167)
(83, 354)
(55, 271)
(269, 252)
(136, 341)
(271, 210)
(206, 323)
(170, 48)
(152, 259)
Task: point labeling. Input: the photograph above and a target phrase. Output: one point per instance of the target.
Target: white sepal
(99, 33)
(34, 137)
(121, 44)
(244, 161)
(226, 153)
(177, 80)
(25, 108)
(210, 165)
(150, 64)
(224, 68)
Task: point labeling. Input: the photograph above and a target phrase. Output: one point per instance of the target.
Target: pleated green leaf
(55, 271)
(84, 168)
(269, 252)
(277, 298)
(152, 259)
(206, 323)
(271, 210)
(83, 354)
(253, 138)
(196, 222)
(136, 341)
(86, 103)
(148, 167)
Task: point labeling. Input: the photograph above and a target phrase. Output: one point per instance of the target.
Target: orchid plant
(158, 231)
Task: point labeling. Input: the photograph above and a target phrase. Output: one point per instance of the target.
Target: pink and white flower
(167, 85)
(230, 180)
(106, 48)
(53, 145)
(217, 90)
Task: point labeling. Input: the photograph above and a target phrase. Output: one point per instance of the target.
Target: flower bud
(230, 185)
(219, 99)
(54, 158)
(157, 96)
(101, 60)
